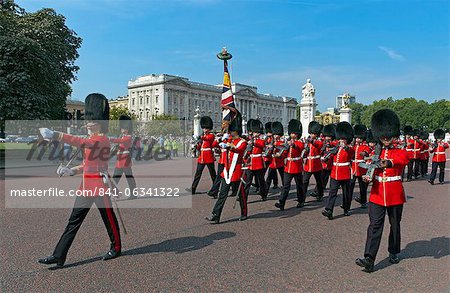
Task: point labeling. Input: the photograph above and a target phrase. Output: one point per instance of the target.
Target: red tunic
(358, 149)
(387, 189)
(277, 162)
(206, 149)
(268, 141)
(232, 171)
(294, 161)
(96, 152)
(410, 148)
(313, 163)
(123, 153)
(439, 152)
(256, 157)
(328, 165)
(341, 164)
(424, 154)
(416, 148)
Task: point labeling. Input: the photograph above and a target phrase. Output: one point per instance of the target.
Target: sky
(372, 49)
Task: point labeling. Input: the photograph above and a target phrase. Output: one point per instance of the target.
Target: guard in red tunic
(124, 162)
(267, 156)
(312, 162)
(329, 142)
(387, 194)
(414, 146)
(341, 171)
(223, 140)
(425, 155)
(232, 173)
(294, 165)
(438, 150)
(206, 157)
(277, 160)
(408, 145)
(255, 158)
(361, 150)
(94, 170)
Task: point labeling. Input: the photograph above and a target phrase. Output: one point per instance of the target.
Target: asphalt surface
(177, 250)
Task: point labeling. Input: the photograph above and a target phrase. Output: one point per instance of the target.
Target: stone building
(173, 95)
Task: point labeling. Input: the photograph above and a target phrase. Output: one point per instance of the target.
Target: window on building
(156, 99)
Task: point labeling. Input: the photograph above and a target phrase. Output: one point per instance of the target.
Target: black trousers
(424, 167)
(434, 167)
(259, 177)
(198, 174)
(214, 191)
(325, 176)
(287, 178)
(362, 188)
(319, 183)
(346, 198)
(375, 231)
(223, 194)
(272, 176)
(118, 172)
(413, 168)
(79, 213)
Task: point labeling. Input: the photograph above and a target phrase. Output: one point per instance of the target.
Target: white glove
(223, 145)
(225, 136)
(46, 133)
(62, 171)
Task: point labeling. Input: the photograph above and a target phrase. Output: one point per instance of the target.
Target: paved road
(177, 250)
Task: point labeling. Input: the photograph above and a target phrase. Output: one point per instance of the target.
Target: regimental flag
(227, 97)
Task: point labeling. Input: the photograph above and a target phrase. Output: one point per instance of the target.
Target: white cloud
(392, 54)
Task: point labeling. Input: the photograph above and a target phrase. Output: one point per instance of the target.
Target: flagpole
(227, 99)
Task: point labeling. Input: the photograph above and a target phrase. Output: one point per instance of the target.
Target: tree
(116, 112)
(37, 63)
(357, 112)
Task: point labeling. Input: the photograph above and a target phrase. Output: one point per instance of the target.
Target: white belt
(207, 149)
(341, 164)
(123, 153)
(439, 153)
(294, 159)
(409, 150)
(314, 157)
(388, 179)
(255, 155)
(358, 161)
(416, 150)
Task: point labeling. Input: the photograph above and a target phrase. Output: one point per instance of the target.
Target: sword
(112, 186)
(241, 181)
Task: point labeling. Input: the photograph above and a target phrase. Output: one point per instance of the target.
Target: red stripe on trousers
(112, 223)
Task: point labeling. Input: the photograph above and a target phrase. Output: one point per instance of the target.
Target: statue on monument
(308, 90)
(345, 101)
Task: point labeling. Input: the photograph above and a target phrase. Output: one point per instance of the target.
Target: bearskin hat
(329, 130)
(268, 127)
(277, 128)
(439, 134)
(416, 132)
(125, 123)
(206, 122)
(360, 131)
(96, 108)
(407, 130)
(370, 137)
(257, 126)
(295, 126)
(250, 125)
(385, 123)
(344, 130)
(236, 124)
(424, 135)
(314, 127)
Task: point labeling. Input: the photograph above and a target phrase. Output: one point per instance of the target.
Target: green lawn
(14, 146)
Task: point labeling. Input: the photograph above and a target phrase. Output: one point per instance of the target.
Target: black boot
(393, 258)
(327, 213)
(280, 206)
(52, 260)
(112, 254)
(366, 263)
(213, 218)
(242, 218)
